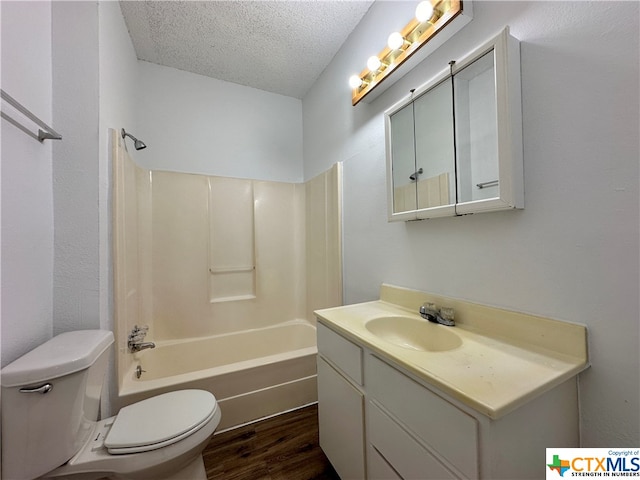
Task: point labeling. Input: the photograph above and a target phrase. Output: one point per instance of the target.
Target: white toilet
(50, 405)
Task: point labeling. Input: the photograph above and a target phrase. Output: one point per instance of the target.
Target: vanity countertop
(505, 358)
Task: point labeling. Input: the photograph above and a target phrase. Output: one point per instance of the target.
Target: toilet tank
(50, 401)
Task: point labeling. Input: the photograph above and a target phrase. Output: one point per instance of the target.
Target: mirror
(476, 130)
(454, 146)
(433, 118)
(404, 167)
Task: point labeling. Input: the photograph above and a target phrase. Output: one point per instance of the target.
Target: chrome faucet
(134, 340)
(442, 316)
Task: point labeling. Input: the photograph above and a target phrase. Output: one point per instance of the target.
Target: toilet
(50, 428)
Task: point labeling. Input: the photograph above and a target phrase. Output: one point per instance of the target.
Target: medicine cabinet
(454, 145)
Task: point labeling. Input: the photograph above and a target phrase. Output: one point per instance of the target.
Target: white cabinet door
(341, 422)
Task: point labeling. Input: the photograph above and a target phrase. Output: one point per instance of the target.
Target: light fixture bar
(415, 34)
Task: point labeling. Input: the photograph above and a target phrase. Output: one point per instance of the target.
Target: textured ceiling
(277, 46)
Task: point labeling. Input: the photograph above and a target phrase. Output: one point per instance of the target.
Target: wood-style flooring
(285, 447)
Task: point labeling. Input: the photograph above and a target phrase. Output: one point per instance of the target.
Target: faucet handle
(137, 334)
(448, 313)
(431, 306)
(429, 310)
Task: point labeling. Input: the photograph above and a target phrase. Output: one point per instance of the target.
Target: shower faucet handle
(138, 333)
(140, 330)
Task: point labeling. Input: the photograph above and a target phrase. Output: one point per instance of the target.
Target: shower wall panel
(204, 255)
(180, 230)
(129, 234)
(227, 254)
(280, 266)
(323, 209)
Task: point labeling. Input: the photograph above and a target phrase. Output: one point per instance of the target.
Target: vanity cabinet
(379, 421)
(454, 145)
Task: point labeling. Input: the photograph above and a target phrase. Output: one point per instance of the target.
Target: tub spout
(136, 347)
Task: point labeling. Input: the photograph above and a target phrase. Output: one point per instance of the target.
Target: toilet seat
(160, 421)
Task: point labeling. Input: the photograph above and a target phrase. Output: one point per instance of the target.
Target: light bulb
(395, 41)
(424, 11)
(355, 81)
(373, 63)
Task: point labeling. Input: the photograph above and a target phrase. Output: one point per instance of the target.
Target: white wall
(196, 124)
(572, 254)
(83, 40)
(27, 216)
(118, 80)
(76, 276)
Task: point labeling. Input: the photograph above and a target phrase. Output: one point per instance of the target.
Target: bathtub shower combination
(226, 274)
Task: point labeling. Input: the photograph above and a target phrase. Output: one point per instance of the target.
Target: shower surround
(226, 272)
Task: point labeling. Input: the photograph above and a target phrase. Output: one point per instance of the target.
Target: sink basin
(414, 334)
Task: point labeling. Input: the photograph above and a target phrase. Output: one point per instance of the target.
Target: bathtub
(253, 374)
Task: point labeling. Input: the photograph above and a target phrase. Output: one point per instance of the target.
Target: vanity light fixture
(355, 81)
(396, 41)
(424, 11)
(431, 16)
(374, 63)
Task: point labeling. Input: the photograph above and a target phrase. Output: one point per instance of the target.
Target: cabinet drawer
(403, 453)
(378, 468)
(449, 431)
(344, 354)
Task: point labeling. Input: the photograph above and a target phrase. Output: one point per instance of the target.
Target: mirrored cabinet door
(477, 130)
(488, 119)
(433, 117)
(404, 161)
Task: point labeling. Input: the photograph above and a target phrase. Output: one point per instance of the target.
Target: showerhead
(137, 144)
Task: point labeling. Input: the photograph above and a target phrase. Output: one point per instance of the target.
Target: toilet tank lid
(64, 354)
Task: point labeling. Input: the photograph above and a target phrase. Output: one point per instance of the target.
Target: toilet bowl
(50, 429)
(147, 439)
